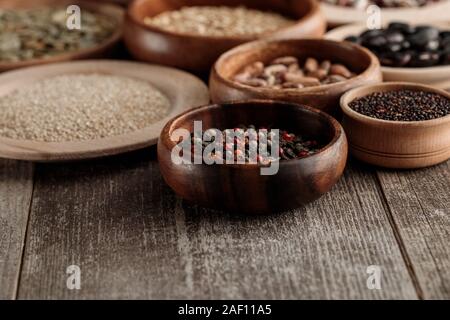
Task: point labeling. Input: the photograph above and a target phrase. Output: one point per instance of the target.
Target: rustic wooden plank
(16, 187)
(132, 238)
(420, 206)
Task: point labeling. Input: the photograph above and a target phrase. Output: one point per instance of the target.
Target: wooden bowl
(338, 16)
(113, 11)
(241, 187)
(396, 144)
(182, 89)
(435, 76)
(198, 53)
(325, 97)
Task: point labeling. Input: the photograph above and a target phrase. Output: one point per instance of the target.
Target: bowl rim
(335, 126)
(334, 35)
(261, 44)
(315, 9)
(395, 85)
(116, 35)
(333, 11)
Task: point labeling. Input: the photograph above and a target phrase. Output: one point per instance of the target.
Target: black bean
(402, 45)
(402, 27)
(395, 37)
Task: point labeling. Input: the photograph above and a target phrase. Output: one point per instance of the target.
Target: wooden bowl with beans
(37, 46)
(436, 75)
(244, 187)
(398, 125)
(192, 34)
(314, 72)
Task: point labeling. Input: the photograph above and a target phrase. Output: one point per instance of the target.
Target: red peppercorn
(286, 136)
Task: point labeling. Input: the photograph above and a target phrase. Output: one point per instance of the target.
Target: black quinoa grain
(403, 105)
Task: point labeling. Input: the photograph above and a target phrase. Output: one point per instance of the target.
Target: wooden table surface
(133, 238)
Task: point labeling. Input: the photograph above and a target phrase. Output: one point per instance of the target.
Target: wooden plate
(182, 89)
(98, 51)
(338, 16)
(437, 76)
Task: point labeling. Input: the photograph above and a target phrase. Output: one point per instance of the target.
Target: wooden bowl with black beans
(398, 125)
(37, 32)
(191, 34)
(407, 52)
(314, 72)
(313, 153)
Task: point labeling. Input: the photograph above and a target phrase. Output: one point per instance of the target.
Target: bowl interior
(345, 53)
(272, 115)
(387, 87)
(149, 8)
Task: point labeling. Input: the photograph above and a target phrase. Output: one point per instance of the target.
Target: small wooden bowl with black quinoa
(363, 63)
(392, 143)
(198, 52)
(113, 13)
(242, 187)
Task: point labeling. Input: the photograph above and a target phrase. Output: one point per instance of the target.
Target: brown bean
(340, 70)
(287, 60)
(311, 65)
(275, 69)
(305, 81)
(255, 69)
(319, 74)
(294, 68)
(325, 65)
(334, 79)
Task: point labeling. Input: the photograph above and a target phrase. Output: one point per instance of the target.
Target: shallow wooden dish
(241, 187)
(198, 53)
(98, 51)
(338, 16)
(396, 144)
(182, 89)
(325, 97)
(435, 76)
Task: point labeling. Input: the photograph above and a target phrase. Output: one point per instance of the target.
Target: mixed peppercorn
(245, 143)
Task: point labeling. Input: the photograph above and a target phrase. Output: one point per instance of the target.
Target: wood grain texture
(420, 205)
(133, 238)
(16, 187)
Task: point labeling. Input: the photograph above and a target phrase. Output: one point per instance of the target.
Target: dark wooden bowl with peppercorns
(398, 125)
(242, 187)
(197, 53)
(363, 66)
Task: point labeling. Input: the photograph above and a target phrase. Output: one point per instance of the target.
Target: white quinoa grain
(219, 21)
(80, 107)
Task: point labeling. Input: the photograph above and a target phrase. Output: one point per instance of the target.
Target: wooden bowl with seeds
(197, 49)
(359, 65)
(89, 109)
(243, 187)
(112, 18)
(396, 144)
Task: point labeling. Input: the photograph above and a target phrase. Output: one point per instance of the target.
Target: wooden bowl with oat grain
(196, 52)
